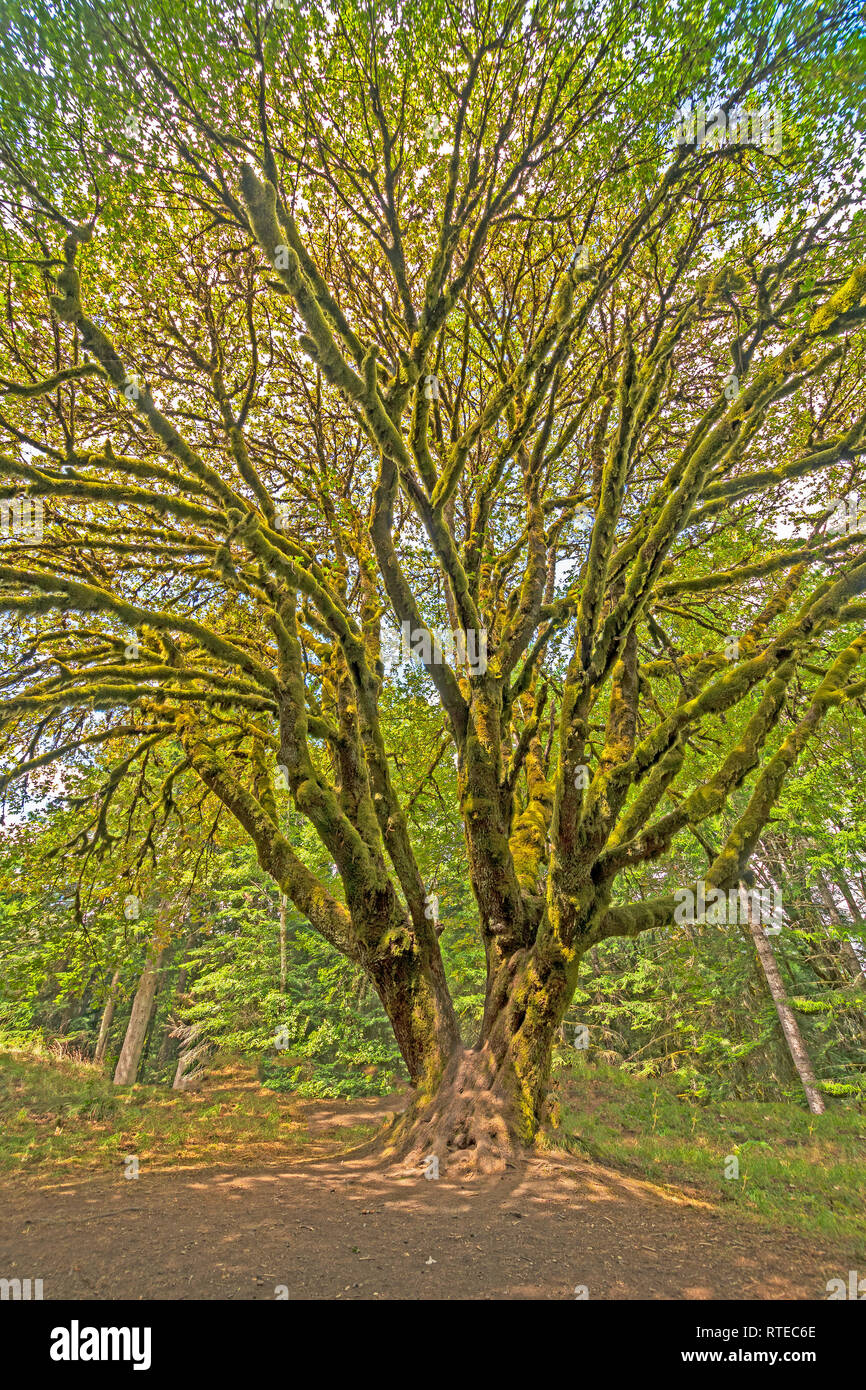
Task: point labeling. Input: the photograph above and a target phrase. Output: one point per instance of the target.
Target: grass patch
(63, 1114)
(795, 1169)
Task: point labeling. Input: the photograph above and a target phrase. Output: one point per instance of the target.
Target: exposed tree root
(470, 1124)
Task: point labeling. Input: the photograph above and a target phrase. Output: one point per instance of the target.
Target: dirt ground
(348, 1228)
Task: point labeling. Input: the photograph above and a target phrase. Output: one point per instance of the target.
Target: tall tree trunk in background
(283, 971)
(163, 985)
(107, 1018)
(852, 952)
(856, 952)
(790, 1027)
(853, 906)
(148, 1034)
(139, 1019)
(168, 1044)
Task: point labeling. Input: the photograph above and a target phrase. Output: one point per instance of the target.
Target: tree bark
(790, 1027)
(107, 1019)
(139, 1019)
(283, 971)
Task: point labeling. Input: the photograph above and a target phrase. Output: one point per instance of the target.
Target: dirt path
(347, 1229)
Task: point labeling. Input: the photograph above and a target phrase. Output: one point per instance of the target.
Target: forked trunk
(486, 1110)
(484, 1107)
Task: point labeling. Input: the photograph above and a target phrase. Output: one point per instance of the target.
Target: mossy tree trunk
(283, 943)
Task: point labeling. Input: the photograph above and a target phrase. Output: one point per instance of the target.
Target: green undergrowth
(59, 1114)
(795, 1169)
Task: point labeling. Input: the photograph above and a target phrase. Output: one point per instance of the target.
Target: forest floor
(243, 1193)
